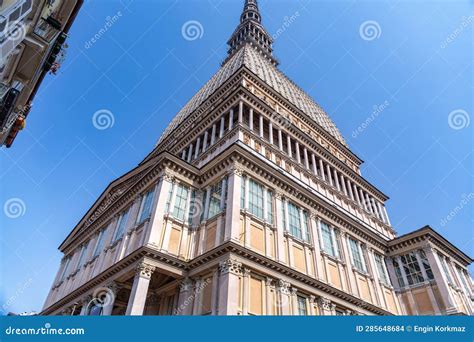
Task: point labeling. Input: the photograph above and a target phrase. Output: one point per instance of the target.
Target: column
(294, 301)
(367, 201)
(231, 119)
(428, 288)
(270, 131)
(280, 140)
(316, 247)
(349, 187)
(221, 131)
(321, 169)
(245, 291)
(204, 143)
(356, 193)
(110, 294)
(305, 156)
(325, 306)
(343, 184)
(298, 154)
(438, 273)
(362, 200)
(280, 253)
(232, 218)
(183, 154)
(190, 153)
(268, 302)
(251, 119)
(198, 143)
(382, 216)
(386, 215)
(288, 139)
(336, 181)
(312, 304)
(241, 112)
(283, 297)
(213, 134)
(260, 126)
(185, 298)
(375, 209)
(374, 271)
(313, 161)
(229, 272)
(136, 302)
(328, 173)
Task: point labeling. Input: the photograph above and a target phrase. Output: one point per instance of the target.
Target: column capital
(283, 286)
(246, 272)
(185, 285)
(167, 176)
(294, 291)
(324, 303)
(312, 299)
(114, 287)
(144, 270)
(230, 266)
(269, 281)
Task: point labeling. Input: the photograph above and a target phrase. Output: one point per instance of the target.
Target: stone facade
(252, 204)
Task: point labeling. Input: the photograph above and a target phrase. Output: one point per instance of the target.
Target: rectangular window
(412, 269)
(379, 263)
(445, 268)
(356, 255)
(327, 240)
(82, 255)
(215, 200)
(305, 226)
(180, 202)
(67, 261)
(398, 272)
(204, 201)
(302, 308)
(121, 225)
(426, 265)
(193, 208)
(256, 199)
(294, 221)
(270, 206)
(463, 281)
(147, 201)
(283, 215)
(100, 243)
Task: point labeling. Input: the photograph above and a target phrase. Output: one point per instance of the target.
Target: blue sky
(143, 71)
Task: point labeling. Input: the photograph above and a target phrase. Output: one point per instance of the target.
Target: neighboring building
(251, 203)
(32, 36)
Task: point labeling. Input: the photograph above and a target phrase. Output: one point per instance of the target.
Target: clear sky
(410, 59)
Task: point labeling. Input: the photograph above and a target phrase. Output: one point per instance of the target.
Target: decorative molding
(144, 270)
(230, 266)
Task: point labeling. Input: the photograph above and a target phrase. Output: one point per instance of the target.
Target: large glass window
(426, 265)
(242, 192)
(412, 269)
(445, 268)
(328, 240)
(256, 199)
(67, 261)
(194, 208)
(100, 243)
(357, 257)
(82, 256)
(463, 280)
(270, 206)
(302, 308)
(398, 272)
(294, 221)
(381, 270)
(121, 225)
(147, 201)
(215, 200)
(180, 202)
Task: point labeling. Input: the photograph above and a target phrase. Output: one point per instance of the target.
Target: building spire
(250, 30)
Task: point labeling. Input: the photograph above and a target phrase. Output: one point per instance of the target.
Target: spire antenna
(251, 31)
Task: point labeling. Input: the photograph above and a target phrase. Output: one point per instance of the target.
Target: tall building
(32, 37)
(251, 203)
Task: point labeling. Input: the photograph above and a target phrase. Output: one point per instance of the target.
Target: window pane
(294, 221)
(82, 255)
(256, 199)
(242, 193)
(381, 269)
(180, 202)
(302, 309)
(356, 255)
(270, 207)
(146, 206)
(328, 246)
(121, 225)
(100, 243)
(426, 265)
(215, 201)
